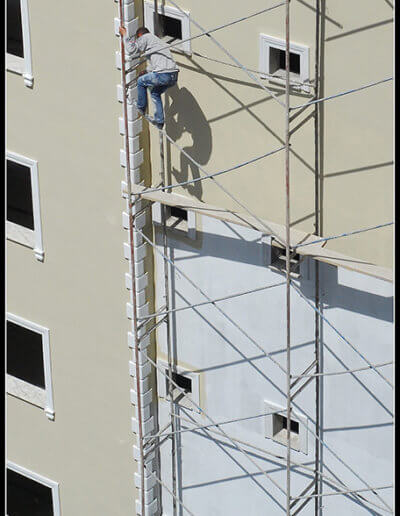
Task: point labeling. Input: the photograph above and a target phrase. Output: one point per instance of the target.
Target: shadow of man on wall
(184, 115)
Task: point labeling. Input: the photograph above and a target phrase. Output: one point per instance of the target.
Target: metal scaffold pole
(132, 262)
(168, 330)
(287, 204)
(314, 370)
(317, 480)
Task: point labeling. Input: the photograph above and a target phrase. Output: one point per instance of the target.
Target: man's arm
(131, 44)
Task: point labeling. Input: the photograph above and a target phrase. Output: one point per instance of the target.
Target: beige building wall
(221, 118)
(68, 122)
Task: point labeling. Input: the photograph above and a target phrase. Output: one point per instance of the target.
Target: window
(185, 379)
(273, 62)
(182, 381)
(19, 59)
(177, 213)
(173, 25)
(30, 494)
(276, 427)
(280, 432)
(278, 260)
(177, 219)
(23, 209)
(28, 363)
(166, 26)
(277, 61)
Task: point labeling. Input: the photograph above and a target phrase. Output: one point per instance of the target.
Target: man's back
(160, 59)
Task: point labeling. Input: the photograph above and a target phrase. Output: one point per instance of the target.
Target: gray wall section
(69, 123)
(236, 379)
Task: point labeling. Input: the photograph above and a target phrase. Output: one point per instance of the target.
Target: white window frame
(194, 377)
(20, 234)
(54, 486)
(303, 426)
(32, 393)
(266, 42)
(172, 12)
(23, 65)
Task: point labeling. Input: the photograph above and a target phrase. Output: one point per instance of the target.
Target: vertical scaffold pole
(168, 331)
(287, 195)
(132, 262)
(317, 488)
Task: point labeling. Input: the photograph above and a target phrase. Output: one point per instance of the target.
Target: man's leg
(165, 81)
(155, 93)
(143, 83)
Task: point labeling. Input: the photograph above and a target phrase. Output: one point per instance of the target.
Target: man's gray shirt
(160, 61)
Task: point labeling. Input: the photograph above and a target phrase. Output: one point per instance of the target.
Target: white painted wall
(236, 378)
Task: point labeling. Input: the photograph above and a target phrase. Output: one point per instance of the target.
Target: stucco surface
(221, 118)
(69, 123)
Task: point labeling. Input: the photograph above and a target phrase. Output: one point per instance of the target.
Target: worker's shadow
(184, 115)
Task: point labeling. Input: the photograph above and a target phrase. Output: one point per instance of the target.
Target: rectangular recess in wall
(276, 427)
(278, 259)
(187, 380)
(272, 62)
(174, 25)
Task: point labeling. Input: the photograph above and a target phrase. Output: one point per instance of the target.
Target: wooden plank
(315, 251)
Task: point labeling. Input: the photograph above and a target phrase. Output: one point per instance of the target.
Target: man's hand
(122, 31)
(142, 73)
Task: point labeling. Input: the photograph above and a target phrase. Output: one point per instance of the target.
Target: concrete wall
(221, 118)
(69, 123)
(236, 378)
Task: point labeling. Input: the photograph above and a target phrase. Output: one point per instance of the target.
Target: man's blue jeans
(157, 83)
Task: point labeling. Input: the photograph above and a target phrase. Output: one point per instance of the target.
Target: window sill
(30, 393)
(24, 236)
(18, 65)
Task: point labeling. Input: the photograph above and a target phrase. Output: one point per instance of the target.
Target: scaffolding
(137, 195)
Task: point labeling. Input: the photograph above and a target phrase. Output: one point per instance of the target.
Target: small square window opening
(168, 27)
(272, 64)
(184, 382)
(171, 25)
(179, 213)
(277, 61)
(278, 260)
(280, 432)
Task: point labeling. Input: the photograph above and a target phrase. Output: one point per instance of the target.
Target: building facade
(94, 426)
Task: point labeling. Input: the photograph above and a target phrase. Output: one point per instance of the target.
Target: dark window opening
(25, 355)
(182, 381)
(280, 423)
(294, 425)
(179, 213)
(26, 497)
(167, 26)
(15, 44)
(277, 61)
(278, 259)
(19, 195)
